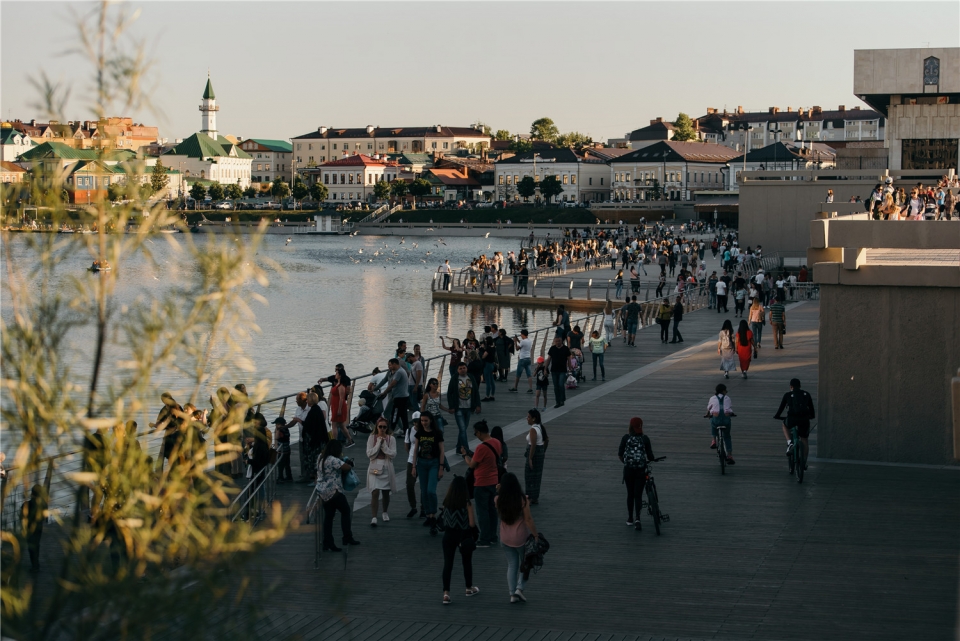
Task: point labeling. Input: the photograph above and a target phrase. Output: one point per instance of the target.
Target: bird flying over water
(487, 235)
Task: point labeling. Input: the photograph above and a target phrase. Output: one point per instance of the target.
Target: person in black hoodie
(315, 436)
(677, 317)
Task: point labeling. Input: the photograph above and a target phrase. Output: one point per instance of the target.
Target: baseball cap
(415, 415)
(540, 359)
(636, 423)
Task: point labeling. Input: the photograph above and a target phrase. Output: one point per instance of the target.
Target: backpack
(635, 454)
(798, 408)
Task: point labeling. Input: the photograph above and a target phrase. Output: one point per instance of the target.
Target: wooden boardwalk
(855, 552)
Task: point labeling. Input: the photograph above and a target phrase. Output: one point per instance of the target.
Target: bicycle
(721, 447)
(653, 501)
(797, 459)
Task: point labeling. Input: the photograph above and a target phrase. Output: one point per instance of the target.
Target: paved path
(855, 552)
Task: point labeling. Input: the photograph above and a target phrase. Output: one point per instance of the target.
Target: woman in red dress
(338, 408)
(744, 343)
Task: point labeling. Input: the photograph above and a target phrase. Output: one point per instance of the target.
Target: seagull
(288, 240)
(355, 233)
(414, 245)
(402, 240)
(488, 246)
(360, 251)
(429, 228)
(441, 241)
(487, 235)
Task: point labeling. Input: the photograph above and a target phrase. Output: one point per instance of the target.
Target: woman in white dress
(727, 349)
(381, 479)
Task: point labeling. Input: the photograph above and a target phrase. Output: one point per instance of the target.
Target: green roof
(208, 92)
(203, 146)
(59, 150)
(95, 166)
(416, 159)
(6, 133)
(274, 145)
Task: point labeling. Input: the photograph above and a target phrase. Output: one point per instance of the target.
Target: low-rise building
(582, 179)
(781, 157)
(113, 133)
(678, 168)
(453, 184)
(352, 178)
(14, 142)
(219, 160)
(11, 173)
(330, 143)
(269, 159)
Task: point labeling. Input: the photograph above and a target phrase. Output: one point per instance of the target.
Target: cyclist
(634, 452)
(720, 409)
(800, 409)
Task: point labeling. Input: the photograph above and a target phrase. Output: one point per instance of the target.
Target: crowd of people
(921, 202)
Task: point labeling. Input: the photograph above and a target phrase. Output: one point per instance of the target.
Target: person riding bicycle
(720, 409)
(800, 409)
(635, 451)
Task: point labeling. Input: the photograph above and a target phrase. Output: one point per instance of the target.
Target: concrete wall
(900, 71)
(777, 213)
(887, 355)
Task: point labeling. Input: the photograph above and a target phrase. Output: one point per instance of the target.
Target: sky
(281, 69)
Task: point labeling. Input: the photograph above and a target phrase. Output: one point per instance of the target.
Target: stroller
(371, 408)
(575, 368)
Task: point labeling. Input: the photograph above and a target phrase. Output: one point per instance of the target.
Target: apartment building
(351, 179)
(329, 143)
(269, 159)
(583, 179)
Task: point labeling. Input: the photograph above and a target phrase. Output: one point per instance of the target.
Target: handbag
(377, 466)
(350, 481)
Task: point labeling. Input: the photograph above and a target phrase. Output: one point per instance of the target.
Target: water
(334, 300)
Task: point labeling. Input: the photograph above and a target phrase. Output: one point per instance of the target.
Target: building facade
(14, 142)
(352, 179)
(269, 159)
(328, 143)
(582, 179)
(679, 168)
(918, 91)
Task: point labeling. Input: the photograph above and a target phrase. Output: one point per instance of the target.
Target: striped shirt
(776, 313)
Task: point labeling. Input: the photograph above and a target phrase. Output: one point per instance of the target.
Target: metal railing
(372, 216)
(257, 495)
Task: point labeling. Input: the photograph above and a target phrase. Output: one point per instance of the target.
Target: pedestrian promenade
(857, 551)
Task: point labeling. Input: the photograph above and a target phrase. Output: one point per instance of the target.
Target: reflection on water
(337, 300)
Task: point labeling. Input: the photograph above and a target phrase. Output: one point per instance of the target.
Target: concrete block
(826, 273)
(955, 383)
(854, 257)
(818, 234)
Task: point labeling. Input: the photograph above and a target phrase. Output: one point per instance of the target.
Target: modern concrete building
(918, 91)
(889, 339)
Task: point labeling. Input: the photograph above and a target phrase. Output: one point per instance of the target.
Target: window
(358, 147)
(310, 146)
(266, 167)
(380, 146)
(369, 146)
(343, 179)
(351, 178)
(359, 179)
(565, 177)
(573, 179)
(323, 147)
(310, 159)
(299, 159)
(590, 180)
(259, 166)
(446, 145)
(334, 145)
(433, 145)
(501, 180)
(334, 179)
(516, 179)
(326, 179)
(601, 180)
(626, 176)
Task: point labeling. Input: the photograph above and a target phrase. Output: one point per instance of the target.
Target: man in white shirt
(524, 346)
(445, 270)
(722, 296)
(410, 440)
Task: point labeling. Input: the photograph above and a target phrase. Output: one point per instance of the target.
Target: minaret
(208, 110)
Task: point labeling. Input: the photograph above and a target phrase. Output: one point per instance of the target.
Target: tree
(115, 192)
(381, 190)
(233, 191)
(550, 187)
(300, 190)
(198, 192)
(655, 191)
(520, 146)
(544, 129)
(319, 192)
(250, 192)
(159, 178)
(136, 549)
(216, 192)
(527, 187)
(683, 128)
(419, 188)
(502, 134)
(573, 140)
(398, 188)
(146, 190)
(279, 189)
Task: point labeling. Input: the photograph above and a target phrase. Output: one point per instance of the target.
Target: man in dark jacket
(314, 437)
(677, 317)
(800, 409)
(463, 397)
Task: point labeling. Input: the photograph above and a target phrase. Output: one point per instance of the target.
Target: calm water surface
(334, 300)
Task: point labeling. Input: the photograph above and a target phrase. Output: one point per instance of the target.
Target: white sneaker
(373, 522)
(386, 517)
(789, 447)
(519, 595)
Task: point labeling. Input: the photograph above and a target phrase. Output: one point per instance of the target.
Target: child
(739, 302)
(543, 382)
(497, 433)
(283, 445)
